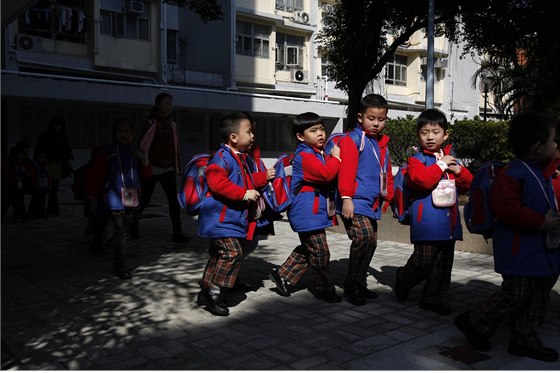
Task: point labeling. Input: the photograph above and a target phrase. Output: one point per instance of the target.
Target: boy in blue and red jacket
(523, 202)
(435, 177)
(365, 186)
(313, 175)
(228, 216)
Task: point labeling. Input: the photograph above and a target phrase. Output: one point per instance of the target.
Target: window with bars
(395, 70)
(117, 21)
(289, 51)
(252, 39)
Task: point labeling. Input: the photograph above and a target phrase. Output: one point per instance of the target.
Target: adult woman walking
(54, 143)
(160, 142)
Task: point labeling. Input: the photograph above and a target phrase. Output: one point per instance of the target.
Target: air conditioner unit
(136, 7)
(328, 8)
(301, 17)
(440, 63)
(299, 76)
(29, 43)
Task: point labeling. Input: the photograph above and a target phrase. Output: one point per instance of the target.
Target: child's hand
(449, 160)
(551, 222)
(454, 169)
(347, 208)
(251, 195)
(138, 154)
(335, 152)
(270, 174)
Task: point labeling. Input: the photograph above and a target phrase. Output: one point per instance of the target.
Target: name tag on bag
(383, 184)
(130, 197)
(445, 194)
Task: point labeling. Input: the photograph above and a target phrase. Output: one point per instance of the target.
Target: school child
(522, 200)
(313, 175)
(115, 176)
(16, 180)
(41, 182)
(435, 177)
(365, 190)
(228, 216)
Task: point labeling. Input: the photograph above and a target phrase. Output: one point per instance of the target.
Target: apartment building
(92, 61)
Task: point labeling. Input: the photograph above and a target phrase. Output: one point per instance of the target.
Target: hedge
(474, 140)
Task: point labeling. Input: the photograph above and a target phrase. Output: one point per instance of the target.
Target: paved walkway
(62, 308)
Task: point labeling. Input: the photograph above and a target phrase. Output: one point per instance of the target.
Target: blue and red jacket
(520, 205)
(312, 181)
(428, 222)
(364, 159)
(114, 163)
(224, 213)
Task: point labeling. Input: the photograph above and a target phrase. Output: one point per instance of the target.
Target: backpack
(79, 175)
(194, 188)
(333, 139)
(478, 215)
(402, 198)
(277, 192)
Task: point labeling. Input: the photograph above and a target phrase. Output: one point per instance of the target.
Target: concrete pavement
(62, 307)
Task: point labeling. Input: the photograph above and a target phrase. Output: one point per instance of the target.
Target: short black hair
(161, 96)
(372, 101)
(527, 129)
(230, 124)
(304, 121)
(433, 116)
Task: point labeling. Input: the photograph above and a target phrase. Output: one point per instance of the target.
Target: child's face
(432, 137)
(23, 154)
(547, 150)
(124, 134)
(313, 136)
(42, 157)
(243, 139)
(373, 120)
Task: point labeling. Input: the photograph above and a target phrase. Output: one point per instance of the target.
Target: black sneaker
(328, 296)
(213, 302)
(478, 340)
(538, 353)
(123, 273)
(368, 294)
(354, 294)
(280, 282)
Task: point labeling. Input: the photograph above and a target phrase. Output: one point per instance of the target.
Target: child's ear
(360, 117)
(233, 138)
(446, 135)
(299, 136)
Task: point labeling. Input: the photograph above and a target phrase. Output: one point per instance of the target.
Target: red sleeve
(220, 184)
(259, 178)
(347, 175)
(463, 180)
(506, 204)
(317, 172)
(422, 177)
(95, 176)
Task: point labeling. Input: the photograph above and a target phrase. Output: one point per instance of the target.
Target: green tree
(522, 40)
(355, 38)
(208, 10)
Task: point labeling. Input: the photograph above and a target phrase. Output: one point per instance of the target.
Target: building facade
(93, 61)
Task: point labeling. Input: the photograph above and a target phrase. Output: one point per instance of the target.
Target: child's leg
(438, 276)
(120, 224)
(489, 317)
(224, 263)
(318, 258)
(418, 265)
(533, 312)
(363, 233)
(293, 269)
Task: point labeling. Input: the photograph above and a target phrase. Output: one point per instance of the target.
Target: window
(324, 64)
(289, 5)
(289, 51)
(118, 20)
(252, 40)
(395, 71)
(171, 46)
